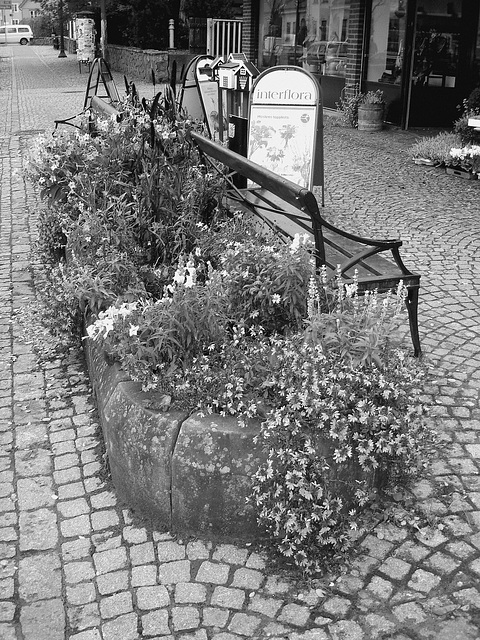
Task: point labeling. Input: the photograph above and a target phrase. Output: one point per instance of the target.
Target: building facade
(423, 54)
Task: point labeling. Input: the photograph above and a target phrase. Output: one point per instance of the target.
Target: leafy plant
(435, 149)
(351, 98)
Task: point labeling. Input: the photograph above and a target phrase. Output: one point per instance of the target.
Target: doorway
(424, 55)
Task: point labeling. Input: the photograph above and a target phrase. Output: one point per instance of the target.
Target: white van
(13, 33)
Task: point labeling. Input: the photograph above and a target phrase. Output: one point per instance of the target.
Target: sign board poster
(212, 104)
(285, 132)
(189, 97)
(85, 29)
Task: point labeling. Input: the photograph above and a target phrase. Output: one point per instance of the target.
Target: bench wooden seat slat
(289, 209)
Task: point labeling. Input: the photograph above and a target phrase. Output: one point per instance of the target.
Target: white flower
(276, 298)
(133, 331)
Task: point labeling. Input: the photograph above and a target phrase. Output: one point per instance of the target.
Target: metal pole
(62, 53)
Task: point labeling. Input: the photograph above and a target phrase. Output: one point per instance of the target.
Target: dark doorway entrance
(424, 56)
(443, 61)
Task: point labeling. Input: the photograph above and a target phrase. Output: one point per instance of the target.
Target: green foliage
(348, 106)
(372, 97)
(436, 149)
(334, 427)
(470, 108)
(351, 98)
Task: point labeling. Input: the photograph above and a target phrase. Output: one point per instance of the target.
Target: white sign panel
(284, 122)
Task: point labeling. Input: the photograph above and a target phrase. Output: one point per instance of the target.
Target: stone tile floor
(76, 564)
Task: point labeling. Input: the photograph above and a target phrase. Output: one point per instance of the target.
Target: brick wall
(356, 25)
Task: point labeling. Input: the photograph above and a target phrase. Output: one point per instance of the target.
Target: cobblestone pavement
(76, 564)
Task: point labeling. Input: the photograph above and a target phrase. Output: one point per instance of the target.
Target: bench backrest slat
(296, 196)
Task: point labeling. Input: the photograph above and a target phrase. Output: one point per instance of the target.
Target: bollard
(171, 33)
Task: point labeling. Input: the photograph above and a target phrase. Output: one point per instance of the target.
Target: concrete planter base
(188, 474)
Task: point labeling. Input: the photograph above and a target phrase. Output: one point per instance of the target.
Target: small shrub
(470, 108)
(436, 148)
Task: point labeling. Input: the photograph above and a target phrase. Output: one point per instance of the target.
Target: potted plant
(371, 107)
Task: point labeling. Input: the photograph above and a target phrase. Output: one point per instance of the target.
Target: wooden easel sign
(286, 125)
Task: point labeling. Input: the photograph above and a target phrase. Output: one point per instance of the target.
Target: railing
(223, 36)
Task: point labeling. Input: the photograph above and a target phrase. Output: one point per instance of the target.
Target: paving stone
(7, 611)
(230, 554)
(110, 560)
(213, 572)
(35, 492)
(39, 577)
(198, 550)
(77, 526)
(346, 630)
(109, 583)
(90, 634)
(185, 618)
(142, 553)
(441, 563)
(409, 612)
(43, 619)
(244, 624)
(423, 581)
(247, 579)
(106, 540)
(72, 508)
(215, 617)
(104, 519)
(266, 606)
(170, 550)
(228, 598)
(116, 605)
(82, 593)
(72, 490)
(156, 623)
(83, 616)
(186, 592)
(294, 614)
(144, 575)
(380, 588)
(173, 572)
(134, 535)
(337, 606)
(154, 597)
(124, 627)
(78, 571)
(395, 568)
(38, 530)
(76, 549)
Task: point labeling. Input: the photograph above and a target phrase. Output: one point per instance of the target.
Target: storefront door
(423, 54)
(443, 62)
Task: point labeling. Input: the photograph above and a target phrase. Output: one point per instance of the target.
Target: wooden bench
(289, 209)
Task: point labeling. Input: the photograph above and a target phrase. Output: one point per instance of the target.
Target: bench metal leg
(412, 308)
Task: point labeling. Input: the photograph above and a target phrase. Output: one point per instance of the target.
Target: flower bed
(233, 368)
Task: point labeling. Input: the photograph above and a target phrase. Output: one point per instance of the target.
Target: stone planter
(190, 474)
(370, 117)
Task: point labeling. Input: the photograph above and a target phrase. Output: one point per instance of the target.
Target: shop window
(387, 42)
(319, 43)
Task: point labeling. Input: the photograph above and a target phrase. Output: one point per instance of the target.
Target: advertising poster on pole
(286, 121)
(85, 29)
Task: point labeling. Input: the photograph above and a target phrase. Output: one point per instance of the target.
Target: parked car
(15, 33)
